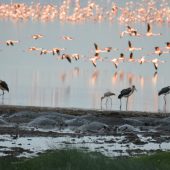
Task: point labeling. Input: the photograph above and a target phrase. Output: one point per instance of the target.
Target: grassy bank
(77, 160)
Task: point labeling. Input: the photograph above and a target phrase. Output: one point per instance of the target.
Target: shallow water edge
(79, 111)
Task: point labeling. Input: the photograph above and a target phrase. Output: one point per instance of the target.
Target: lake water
(44, 80)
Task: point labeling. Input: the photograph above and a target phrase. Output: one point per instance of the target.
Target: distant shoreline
(79, 111)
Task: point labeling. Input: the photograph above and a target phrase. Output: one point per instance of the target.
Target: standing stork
(126, 93)
(107, 95)
(3, 87)
(164, 91)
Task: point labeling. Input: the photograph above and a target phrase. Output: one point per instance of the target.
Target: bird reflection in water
(121, 77)
(94, 77)
(155, 79)
(63, 77)
(76, 72)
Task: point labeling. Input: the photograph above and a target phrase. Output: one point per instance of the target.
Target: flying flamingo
(131, 48)
(149, 32)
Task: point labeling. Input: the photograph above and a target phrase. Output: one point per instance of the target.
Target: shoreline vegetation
(77, 159)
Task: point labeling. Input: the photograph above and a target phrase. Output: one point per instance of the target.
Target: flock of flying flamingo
(146, 11)
(93, 11)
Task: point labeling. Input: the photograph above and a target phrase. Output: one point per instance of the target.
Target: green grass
(78, 160)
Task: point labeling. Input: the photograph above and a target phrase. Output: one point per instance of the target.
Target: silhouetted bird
(164, 91)
(126, 93)
(3, 86)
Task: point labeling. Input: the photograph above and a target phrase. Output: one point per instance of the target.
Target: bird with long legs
(164, 91)
(126, 93)
(107, 95)
(3, 87)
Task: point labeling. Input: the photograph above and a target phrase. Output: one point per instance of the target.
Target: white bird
(37, 36)
(67, 38)
(131, 48)
(34, 49)
(149, 32)
(115, 61)
(11, 42)
(158, 51)
(156, 62)
(57, 50)
(167, 45)
(131, 58)
(130, 31)
(94, 59)
(142, 60)
(45, 51)
(66, 56)
(121, 57)
(98, 50)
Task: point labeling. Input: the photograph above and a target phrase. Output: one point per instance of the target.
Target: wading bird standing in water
(3, 87)
(126, 93)
(164, 91)
(107, 95)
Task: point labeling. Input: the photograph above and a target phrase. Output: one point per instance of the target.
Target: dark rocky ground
(20, 121)
(29, 119)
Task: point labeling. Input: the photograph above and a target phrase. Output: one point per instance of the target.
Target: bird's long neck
(133, 89)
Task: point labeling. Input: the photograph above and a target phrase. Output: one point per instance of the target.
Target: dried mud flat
(27, 131)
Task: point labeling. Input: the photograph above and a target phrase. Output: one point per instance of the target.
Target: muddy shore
(114, 127)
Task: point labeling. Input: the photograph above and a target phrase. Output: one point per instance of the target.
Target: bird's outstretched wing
(148, 28)
(155, 66)
(129, 43)
(96, 46)
(68, 58)
(131, 56)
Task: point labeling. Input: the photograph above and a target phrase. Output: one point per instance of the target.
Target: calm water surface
(43, 80)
